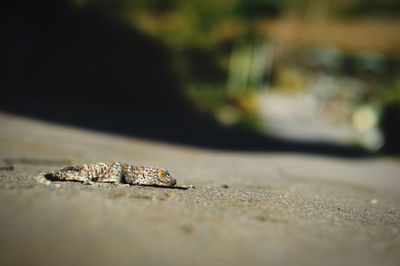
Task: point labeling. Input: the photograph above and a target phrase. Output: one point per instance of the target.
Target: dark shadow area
(53, 52)
(193, 130)
(390, 125)
(77, 68)
(51, 177)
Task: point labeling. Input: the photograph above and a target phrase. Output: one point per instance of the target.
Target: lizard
(114, 172)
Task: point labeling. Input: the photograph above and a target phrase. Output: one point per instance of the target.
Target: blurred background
(311, 76)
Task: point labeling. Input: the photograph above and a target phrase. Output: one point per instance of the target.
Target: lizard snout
(173, 181)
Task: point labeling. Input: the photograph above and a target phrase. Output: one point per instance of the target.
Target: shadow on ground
(78, 68)
(192, 129)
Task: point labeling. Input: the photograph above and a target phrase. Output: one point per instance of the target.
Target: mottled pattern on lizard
(114, 172)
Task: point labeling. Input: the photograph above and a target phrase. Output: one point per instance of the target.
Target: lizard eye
(161, 173)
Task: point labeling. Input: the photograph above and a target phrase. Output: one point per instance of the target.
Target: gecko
(114, 172)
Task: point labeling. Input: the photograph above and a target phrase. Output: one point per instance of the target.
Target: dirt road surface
(247, 208)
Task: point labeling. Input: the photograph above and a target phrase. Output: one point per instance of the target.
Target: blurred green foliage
(208, 97)
(203, 35)
(372, 8)
(391, 93)
(259, 8)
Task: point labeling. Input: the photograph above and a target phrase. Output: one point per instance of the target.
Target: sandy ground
(248, 208)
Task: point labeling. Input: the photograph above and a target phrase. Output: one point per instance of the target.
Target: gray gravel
(247, 208)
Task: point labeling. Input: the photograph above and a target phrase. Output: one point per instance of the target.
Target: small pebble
(188, 228)
(373, 201)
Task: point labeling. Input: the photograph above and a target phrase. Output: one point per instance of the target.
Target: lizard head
(144, 175)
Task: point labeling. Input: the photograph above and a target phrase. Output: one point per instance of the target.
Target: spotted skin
(115, 172)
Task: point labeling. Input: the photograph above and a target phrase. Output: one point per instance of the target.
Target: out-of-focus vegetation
(202, 35)
(345, 52)
(371, 8)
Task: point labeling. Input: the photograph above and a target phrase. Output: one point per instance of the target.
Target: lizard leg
(105, 172)
(84, 179)
(108, 180)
